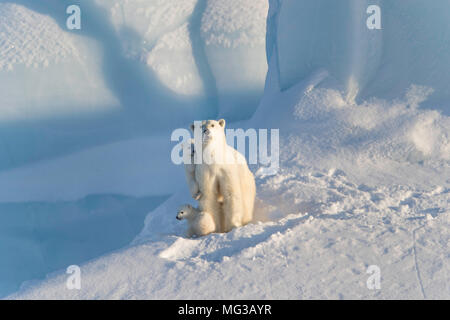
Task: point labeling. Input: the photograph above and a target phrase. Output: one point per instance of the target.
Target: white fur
(200, 223)
(226, 184)
(189, 169)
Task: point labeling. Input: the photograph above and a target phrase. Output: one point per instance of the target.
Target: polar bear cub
(200, 223)
(189, 169)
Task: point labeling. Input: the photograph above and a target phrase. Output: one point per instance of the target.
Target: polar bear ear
(222, 123)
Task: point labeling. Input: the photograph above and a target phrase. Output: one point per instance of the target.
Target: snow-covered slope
(322, 250)
(364, 173)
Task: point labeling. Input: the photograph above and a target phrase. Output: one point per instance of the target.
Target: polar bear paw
(197, 196)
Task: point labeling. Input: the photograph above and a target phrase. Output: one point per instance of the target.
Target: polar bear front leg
(209, 203)
(193, 185)
(233, 211)
(194, 189)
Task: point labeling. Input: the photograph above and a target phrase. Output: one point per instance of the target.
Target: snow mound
(376, 141)
(410, 48)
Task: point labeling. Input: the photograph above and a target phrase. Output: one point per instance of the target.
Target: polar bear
(200, 223)
(226, 184)
(189, 169)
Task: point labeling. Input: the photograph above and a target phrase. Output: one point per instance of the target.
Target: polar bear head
(212, 131)
(186, 212)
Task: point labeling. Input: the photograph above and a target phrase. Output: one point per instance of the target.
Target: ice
(364, 150)
(134, 68)
(411, 47)
(209, 49)
(36, 52)
(278, 259)
(231, 35)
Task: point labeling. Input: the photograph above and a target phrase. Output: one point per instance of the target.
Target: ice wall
(135, 68)
(411, 48)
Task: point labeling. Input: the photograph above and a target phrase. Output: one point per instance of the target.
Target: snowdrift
(411, 48)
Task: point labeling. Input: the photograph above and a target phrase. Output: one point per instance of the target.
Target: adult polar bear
(226, 184)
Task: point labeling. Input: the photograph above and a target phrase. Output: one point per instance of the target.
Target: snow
(226, 23)
(364, 155)
(172, 59)
(186, 42)
(234, 31)
(34, 53)
(411, 47)
(136, 68)
(322, 254)
(130, 167)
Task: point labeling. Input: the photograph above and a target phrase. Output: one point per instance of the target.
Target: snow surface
(136, 68)
(34, 53)
(364, 173)
(185, 43)
(411, 48)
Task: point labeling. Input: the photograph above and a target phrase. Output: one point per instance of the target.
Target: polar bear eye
(212, 126)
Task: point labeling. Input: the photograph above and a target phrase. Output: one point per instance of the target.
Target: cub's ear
(222, 123)
(192, 127)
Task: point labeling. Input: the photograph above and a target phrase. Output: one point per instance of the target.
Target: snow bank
(335, 239)
(136, 167)
(411, 48)
(37, 238)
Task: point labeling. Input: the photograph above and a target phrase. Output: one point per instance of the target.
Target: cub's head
(185, 212)
(212, 130)
(190, 147)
